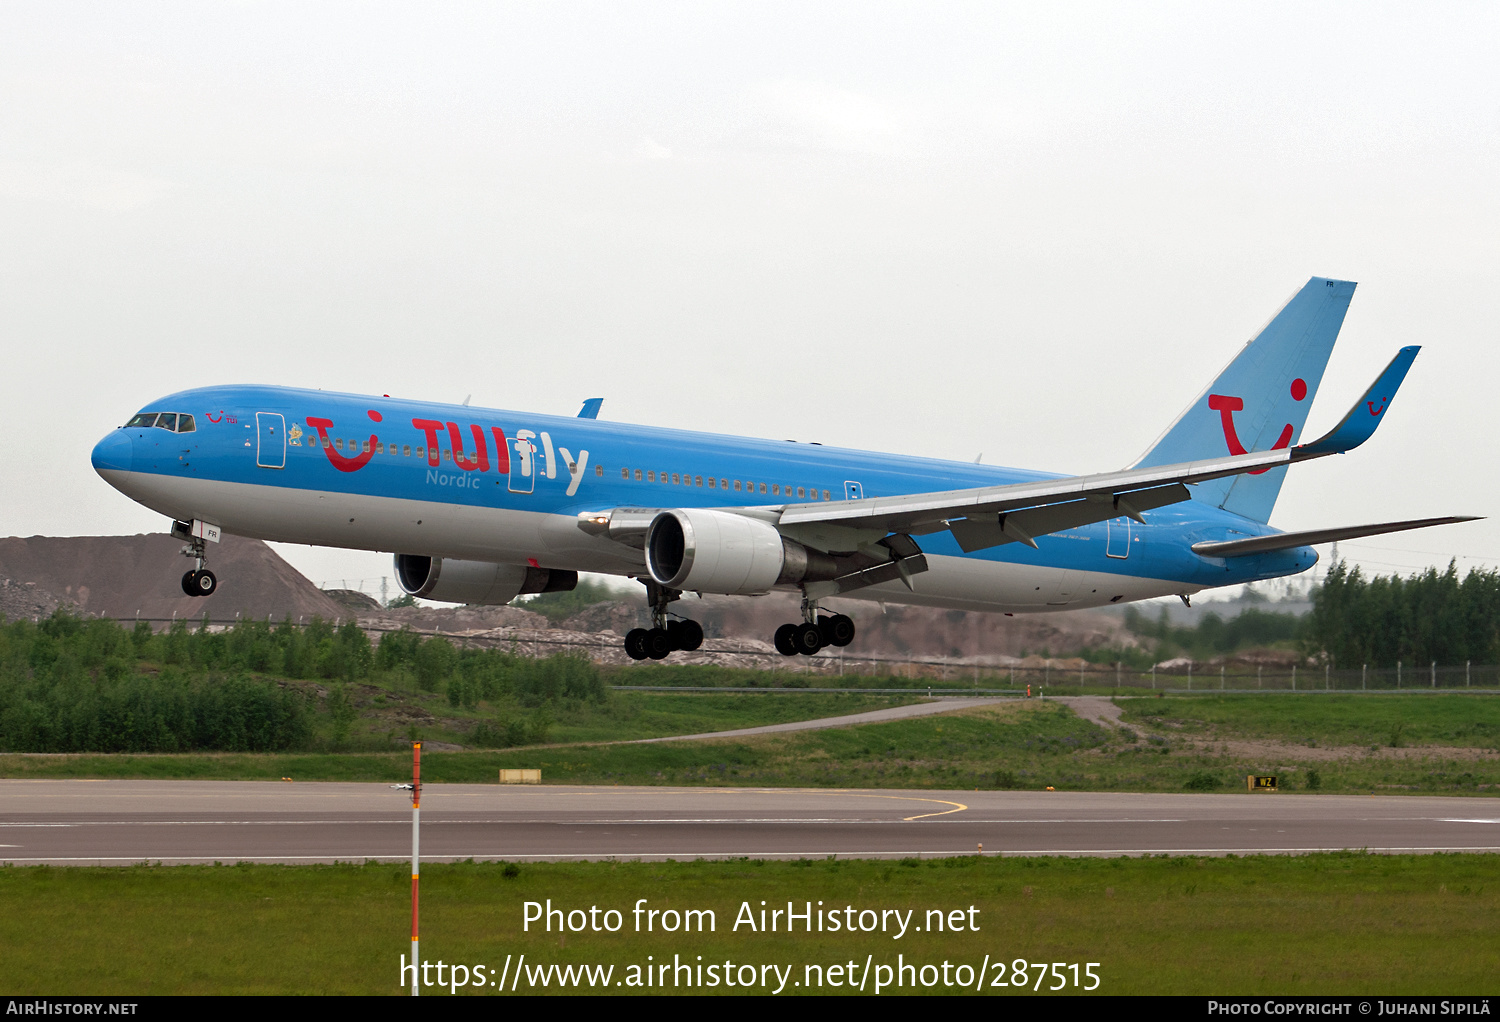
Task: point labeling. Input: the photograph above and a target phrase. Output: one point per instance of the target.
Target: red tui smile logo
(1226, 406)
(340, 461)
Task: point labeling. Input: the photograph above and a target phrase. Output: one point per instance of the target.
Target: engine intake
(445, 580)
(709, 551)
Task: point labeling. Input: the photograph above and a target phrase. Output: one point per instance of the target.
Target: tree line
(69, 684)
(1428, 616)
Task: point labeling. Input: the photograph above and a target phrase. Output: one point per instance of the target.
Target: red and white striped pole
(416, 810)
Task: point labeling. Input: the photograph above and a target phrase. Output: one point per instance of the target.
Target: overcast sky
(1034, 231)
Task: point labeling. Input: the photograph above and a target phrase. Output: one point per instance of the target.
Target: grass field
(392, 712)
(1341, 923)
(1026, 744)
(631, 715)
(1441, 719)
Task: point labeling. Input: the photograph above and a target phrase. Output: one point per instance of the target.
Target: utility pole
(416, 814)
(415, 787)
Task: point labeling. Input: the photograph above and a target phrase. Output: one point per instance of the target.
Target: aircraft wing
(991, 515)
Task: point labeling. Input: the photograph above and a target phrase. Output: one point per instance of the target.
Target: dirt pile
(25, 599)
(353, 599)
(129, 576)
(452, 620)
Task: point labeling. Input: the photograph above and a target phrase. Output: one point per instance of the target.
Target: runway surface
(120, 822)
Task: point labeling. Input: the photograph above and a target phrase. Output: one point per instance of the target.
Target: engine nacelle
(709, 551)
(445, 580)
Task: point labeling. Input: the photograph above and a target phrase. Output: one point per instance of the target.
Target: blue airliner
(483, 505)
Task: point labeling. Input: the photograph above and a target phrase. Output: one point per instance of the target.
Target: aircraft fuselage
(452, 481)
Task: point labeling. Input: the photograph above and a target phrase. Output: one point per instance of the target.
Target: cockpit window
(185, 424)
(167, 421)
(144, 420)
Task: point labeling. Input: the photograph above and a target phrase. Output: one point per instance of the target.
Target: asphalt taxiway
(75, 822)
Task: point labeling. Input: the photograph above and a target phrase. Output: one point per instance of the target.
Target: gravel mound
(140, 576)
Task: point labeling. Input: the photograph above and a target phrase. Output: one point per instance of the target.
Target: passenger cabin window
(598, 470)
(185, 424)
(711, 482)
(406, 450)
(651, 477)
(801, 492)
(168, 421)
(776, 489)
(145, 420)
(762, 487)
(736, 486)
(637, 475)
(339, 443)
(698, 481)
(825, 495)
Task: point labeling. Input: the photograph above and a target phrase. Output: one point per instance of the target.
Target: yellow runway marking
(958, 807)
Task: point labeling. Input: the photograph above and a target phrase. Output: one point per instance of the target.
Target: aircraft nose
(113, 453)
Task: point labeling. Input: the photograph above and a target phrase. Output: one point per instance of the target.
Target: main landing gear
(813, 632)
(664, 637)
(200, 581)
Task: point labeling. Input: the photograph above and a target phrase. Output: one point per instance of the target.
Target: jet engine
(708, 551)
(476, 582)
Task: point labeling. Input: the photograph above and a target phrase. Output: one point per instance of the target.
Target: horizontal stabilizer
(1288, 540)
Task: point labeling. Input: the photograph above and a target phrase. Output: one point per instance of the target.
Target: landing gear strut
(200, 581)
(813, 632)
(664, 636)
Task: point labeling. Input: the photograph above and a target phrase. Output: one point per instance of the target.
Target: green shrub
(1203, 781)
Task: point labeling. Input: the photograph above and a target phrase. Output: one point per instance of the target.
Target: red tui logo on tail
(1226, 406)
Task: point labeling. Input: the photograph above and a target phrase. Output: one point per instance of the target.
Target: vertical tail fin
(1261, 399)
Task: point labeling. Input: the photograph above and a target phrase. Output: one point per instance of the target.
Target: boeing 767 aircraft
(483, 505)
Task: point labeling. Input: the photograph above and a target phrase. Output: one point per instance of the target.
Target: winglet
(590, 409)
(1359, 425)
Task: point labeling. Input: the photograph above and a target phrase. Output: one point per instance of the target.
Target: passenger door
(270, 435)
(523, 462)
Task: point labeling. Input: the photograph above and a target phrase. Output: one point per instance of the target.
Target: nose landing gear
(200, 581)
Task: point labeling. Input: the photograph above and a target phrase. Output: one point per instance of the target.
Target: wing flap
(909, 513)
(979, 533)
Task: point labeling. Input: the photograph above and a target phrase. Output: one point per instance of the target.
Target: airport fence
(962, 676)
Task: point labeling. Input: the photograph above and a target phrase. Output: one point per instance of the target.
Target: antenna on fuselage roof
(978, 456)
(467, 400)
